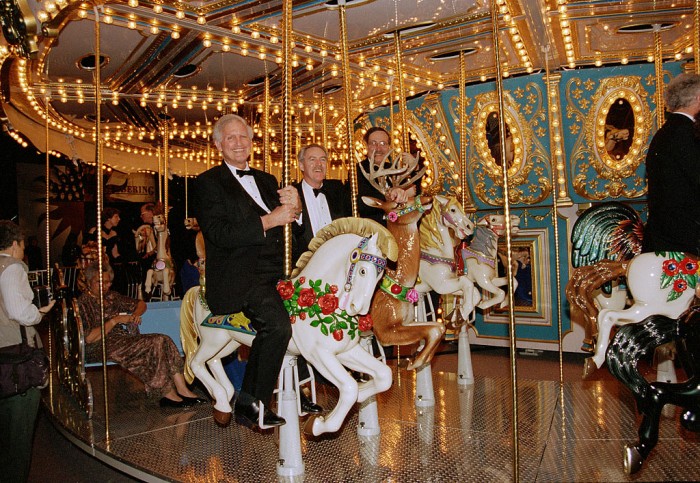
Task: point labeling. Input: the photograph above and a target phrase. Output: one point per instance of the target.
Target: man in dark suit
(241, 213)
(323, 200)
(673, 172)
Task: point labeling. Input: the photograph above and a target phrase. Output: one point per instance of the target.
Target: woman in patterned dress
(153, 358)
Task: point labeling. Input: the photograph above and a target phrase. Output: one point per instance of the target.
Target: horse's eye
(363, 271)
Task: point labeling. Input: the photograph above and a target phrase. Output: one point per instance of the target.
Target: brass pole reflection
(352, 171)
(506, 211)
(402, 98)
(100, 165)
(287, 128)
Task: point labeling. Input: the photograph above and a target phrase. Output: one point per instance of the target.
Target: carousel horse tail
(188, 332)
(634, 342)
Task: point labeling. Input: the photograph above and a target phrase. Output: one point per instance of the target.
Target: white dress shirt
(317, 206)
(249, 185)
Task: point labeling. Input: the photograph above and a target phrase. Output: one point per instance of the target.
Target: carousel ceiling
(189, 62)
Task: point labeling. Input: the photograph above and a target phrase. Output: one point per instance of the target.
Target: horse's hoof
(221, 418)
(589, 368)
(633, 460)
(309, 425)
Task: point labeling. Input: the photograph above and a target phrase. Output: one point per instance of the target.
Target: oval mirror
(494, 140)
(619, 129)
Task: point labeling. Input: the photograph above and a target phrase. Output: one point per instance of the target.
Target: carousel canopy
(185, 63)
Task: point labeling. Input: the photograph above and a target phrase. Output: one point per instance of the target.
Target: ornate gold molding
(19, 26)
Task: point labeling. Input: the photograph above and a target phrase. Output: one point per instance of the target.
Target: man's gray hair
(223, 121)
(682, 91)
(92, 270)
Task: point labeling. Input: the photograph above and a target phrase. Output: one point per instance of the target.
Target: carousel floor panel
(466, 436)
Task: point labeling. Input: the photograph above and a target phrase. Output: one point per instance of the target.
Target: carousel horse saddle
(237, 322)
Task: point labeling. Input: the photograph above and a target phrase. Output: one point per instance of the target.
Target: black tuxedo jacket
(234, 237)
(339, 204)
(673, 183)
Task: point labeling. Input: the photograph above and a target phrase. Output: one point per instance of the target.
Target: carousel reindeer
(393, 303)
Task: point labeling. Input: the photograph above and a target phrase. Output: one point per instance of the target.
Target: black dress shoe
(169, 403)
(193, 400)
(308, 406)
(247, 414)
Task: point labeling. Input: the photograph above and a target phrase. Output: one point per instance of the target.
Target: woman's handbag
(22, 367)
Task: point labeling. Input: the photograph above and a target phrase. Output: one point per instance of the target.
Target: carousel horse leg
(290, 463)
(368, 417)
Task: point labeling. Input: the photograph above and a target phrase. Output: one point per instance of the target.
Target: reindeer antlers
(392, 172)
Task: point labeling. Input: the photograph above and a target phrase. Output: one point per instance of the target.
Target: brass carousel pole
(506, 210)
(166, 156)
(696, 37)
(160, 181)
(402, 99)
(463, 128)
(100, 165)
(186, 190)
(48, 240)
(287, 127)
(659, 72)
(352, 169)
(266, 126)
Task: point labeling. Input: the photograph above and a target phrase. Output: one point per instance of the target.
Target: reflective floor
(466, 436)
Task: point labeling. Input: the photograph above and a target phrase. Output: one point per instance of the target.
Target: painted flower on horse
(680, 271)
(321, 307)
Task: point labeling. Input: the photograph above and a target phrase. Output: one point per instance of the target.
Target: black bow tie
(244, 172)
(318, 191)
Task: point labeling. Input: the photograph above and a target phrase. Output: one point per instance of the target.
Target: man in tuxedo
(378, 145)
(241, 213)
(322, 200)
(673, 172)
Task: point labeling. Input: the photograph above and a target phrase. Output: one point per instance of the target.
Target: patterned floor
(466, 436)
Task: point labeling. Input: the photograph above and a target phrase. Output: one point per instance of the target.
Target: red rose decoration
(328, 303)
(670, 267)
(688, 266)
(293, 318)
(302, 315)
(334, 289)
(285, 289)
(365, 323)
(338, 335)
(302, 280)
(307, 297)
(396, 289)
(680, 285)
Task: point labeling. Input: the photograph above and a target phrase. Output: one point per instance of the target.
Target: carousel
(526, 124)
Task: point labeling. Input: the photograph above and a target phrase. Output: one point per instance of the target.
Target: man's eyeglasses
(379, 143)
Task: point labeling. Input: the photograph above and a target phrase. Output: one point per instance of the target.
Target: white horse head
(497, 223)
(453, 217)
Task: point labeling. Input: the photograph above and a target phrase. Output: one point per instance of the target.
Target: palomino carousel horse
(332, 285)
(657, 282)
(638, 341)
(162, 273)
(480, 258)
(440, 232)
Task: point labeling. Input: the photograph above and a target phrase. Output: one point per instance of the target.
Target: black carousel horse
(638, 341)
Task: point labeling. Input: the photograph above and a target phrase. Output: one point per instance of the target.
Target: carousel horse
(330, 291)
(658, 283)
(440, 232)
(480, 258)
(162, 273)
(638, 341)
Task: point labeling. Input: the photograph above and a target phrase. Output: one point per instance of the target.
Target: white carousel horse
(162, 273)
(480, 258)
(440, 232)
(660, 283)
(335, 280)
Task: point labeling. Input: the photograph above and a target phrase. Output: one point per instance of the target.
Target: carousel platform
(574, 432)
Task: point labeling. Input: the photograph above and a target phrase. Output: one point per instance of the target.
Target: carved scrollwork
(613, 127)
(19, 26)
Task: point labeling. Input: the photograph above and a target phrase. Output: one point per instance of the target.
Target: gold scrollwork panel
(529, 169)
(612, 127)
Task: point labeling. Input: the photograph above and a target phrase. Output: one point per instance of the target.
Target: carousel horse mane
(429, 232)
(485, 240)
(357, 226)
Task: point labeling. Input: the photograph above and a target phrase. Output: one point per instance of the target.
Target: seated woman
(153, 358)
